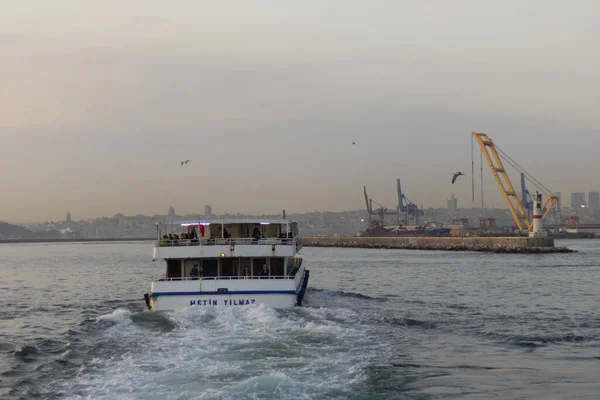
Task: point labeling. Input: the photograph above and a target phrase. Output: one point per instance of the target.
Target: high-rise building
(594, 200)
(171, 211)
(207, 210)
(452, 203)
(69, 215)
(577, 200)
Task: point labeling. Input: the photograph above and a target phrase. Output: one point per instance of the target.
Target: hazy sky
(100, 100)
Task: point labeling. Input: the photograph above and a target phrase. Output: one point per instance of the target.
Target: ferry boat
(228, 263)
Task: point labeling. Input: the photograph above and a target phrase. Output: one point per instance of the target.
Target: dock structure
(505, 244)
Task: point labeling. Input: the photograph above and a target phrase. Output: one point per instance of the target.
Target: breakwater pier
(505, 244)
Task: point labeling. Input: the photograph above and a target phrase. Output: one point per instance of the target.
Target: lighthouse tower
(538, 226)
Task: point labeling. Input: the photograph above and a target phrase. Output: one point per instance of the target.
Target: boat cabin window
(173, 269)
(229, 267)
(191, 233)
(245, 263)
(257, 266)
(188, 265)
(277, 264)
(207, 266)
(210, 267)
(251, 230)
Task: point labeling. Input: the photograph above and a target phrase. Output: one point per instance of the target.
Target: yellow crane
(491, 154)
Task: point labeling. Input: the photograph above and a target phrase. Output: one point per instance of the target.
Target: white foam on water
(249, 352)
(119, 316)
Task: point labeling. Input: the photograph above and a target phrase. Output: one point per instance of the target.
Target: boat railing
(214, 278)
(225, 242)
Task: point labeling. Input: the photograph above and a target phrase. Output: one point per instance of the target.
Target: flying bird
(456, 175)
(185, 162)
(353, 142)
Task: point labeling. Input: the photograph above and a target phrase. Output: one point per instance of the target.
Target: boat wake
(249, 352)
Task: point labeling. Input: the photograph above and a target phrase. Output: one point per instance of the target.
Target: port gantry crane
(493, 156)
(407, 207)
(380, 212)
(526, 200)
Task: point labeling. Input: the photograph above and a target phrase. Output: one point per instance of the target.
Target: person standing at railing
(164, 241)
(265, 270)
(193, 235)
(246, 272)
(194, 273)
(171, 239)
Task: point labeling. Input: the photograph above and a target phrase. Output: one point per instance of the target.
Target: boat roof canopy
(226, 221)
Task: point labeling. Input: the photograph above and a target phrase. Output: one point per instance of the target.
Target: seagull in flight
(456, 175)
(185, 162)
(353, 142)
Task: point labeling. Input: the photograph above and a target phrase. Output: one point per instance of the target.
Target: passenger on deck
(193, 235)
(265, 271)
(226, 234)
(256, 233)
(194, 273)
(175, 239)
(170, 238)
(246, 272)
(164, 241)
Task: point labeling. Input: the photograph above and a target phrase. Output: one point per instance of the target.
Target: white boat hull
(276, 293)
(222, 300)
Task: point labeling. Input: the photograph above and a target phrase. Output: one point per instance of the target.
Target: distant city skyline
(593, 203)
(104, 100)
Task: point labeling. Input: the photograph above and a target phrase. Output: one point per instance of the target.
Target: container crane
(494, 156)
(526, 200)
(377, 216)
(407, 207)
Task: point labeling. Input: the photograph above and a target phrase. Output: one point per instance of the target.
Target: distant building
(69, 215)
(171, 212)
(594, 200)
(577, 200)
(452, 203)
(207, 210)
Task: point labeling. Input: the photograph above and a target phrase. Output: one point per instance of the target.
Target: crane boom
(506, 188)
(552, 200)
(367, 201)
(369, 208)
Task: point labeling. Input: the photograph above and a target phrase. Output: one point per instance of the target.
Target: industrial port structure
(516, 206)
(406, 211)
(528, 211)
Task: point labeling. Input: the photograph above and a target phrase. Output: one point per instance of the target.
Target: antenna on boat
(283, 215)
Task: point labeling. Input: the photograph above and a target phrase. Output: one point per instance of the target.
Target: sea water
(375, 324)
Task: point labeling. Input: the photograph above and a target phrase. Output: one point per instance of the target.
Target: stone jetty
(510, 244)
